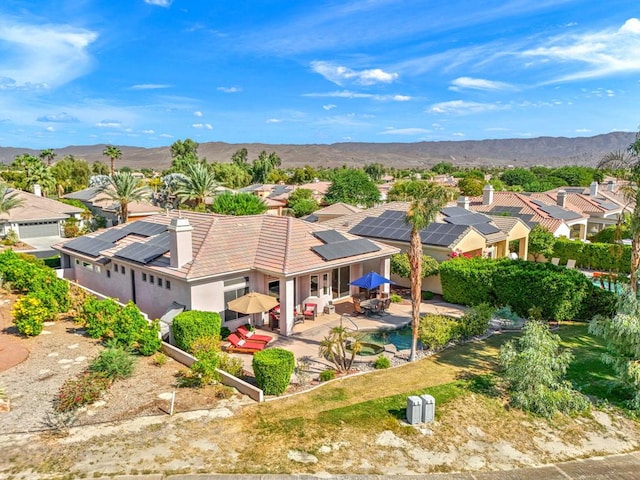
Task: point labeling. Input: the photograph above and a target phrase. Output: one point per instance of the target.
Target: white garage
(38, 229)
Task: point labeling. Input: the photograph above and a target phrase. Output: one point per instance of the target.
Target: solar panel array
(462, 216)
(605, 204)
(334, 251)
(330, 236)
(442, 234)
(88, 246)
(143, 252)
(512, 211)
(390, 227)
(556, 211)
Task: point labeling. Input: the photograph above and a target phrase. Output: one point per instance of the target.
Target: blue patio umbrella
(370, 280)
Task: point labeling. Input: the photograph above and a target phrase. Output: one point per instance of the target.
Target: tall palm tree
(124, 188)
(48, 155)
(198, 184)
(112, 152)
(8, 198)
(626, 165)
(428, 200)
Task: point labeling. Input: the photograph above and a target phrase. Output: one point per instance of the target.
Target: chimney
(487, 195)
(37, 191)
(562, 198)
(611, 186)
(180, 244)
(593, 189)
(463, 202)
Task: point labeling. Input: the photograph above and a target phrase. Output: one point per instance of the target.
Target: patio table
(370, 307)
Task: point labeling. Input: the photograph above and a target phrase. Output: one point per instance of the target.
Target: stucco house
(202, 261)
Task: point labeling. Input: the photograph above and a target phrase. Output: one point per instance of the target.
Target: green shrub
(52, 262)
(190, 325)
(427, 295)
(598, 301)
(207, 351)
(80, 391)
(57, 289)
(127, 325)
(437, 330)
(113, 363)
(611, 234)
(148, 341)
(596, 256)
(29, 314)
(381, 363)
(327, 375)
(395, 298)
(160, 359)
(475, 321)
(273, 368)
(224, 333)
(98, 316)
(507, 314)
(468, 281)
(11, 238)
(231, 365)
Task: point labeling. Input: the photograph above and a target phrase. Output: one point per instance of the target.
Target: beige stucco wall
(471, 241)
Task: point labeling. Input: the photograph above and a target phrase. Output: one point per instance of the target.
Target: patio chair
(555, 261)
(244, 332)
(571, 264)
(310, 311)
(274, 320)
(384, 306)
(357, 308)
(241, 345)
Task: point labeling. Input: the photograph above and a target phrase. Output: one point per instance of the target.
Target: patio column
(356, 272)
(523, 248)
(287, 304)
(385, 271)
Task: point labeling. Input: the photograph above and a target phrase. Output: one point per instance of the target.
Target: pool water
(400, 337)
(617, 287)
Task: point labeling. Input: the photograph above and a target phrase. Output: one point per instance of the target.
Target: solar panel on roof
(469, 219)
(486, 228)
(605, 204)
(113, 235)
(329, 236)
(556, 211)
(88, 246)
(142, 252)
(146, 229)
(510, 210)
(442, 234)
(392, 214)
(454, 211)
(349, 248)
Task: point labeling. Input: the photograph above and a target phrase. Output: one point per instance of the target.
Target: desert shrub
(80, 391)
(11, 238)
(55, 288)
(506, 313)
(427, 295)
(437, 330)
(534, 368)
(98, 316)
(381, 363)
(127, 325)
(190, 325)
(148, 341)
(231, 365)
(327, 375)
(207, 351)
(475, 321)
(395, 298)
(113, 363)
(273, 368)
(29, 314)
(468, 281)
(160, 359)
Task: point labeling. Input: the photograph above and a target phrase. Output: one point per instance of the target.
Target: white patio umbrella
(253, 302)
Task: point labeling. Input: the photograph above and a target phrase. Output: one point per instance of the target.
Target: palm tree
(340, 347)
(124, 188)
(8, 198)
(112, 152)
(47, 155)
(198, 184)
(626, 165)
(428, 201)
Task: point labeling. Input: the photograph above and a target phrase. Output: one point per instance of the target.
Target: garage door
(41, 229)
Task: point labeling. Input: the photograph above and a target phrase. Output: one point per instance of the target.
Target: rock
(72, 346)
(389, 439)
(99, 403)
(165, 396)
(324, 449)
(53, 354)
(301, 457)
(79, 359)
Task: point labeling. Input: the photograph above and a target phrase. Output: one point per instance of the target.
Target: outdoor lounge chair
(241, 345)
(244, 332)
(310, 311)
(571, 264)
(555, 261)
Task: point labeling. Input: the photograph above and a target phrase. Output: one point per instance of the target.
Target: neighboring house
(101, 205)
(455, 231)
(203, 261)
(274, 196)
(534, 209)
(319, 189)
(336, 210)
(37, 217)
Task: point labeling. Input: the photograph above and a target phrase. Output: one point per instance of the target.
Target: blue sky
(149, 72)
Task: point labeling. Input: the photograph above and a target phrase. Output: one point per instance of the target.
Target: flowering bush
(458, 254)
(29, 314)
(80, 391)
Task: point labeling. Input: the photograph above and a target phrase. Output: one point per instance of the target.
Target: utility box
(414, 410)
(428, 408)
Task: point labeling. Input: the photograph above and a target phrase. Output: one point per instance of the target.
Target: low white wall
(243, 387)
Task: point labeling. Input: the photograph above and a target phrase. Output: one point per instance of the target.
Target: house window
(77, 262)
(115, 267)
(122, 270)
(340, 282)
(97, 269)
(87, 265)
(159, 282)
(233, 289)
(325, 284)
(313, 290)
(167, 285)
(151, 279)
(144, 277)
(108, 273)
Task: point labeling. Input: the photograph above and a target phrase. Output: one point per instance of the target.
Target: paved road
(615, 467)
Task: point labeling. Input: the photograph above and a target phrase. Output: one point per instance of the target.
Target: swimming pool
(615, 287)
(400, 337)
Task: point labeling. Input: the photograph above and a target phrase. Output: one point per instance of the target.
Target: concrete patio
(307, 336)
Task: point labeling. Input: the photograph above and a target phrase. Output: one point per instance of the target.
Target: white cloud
(159, 3)
(478, 84)
(50, 129)
(198, 114)
(458, 134)
(600, 54)
(460, 107)
(165, 135)
(229, 89)
(42, 55)
(62, 117)
(149, 132)
(405, 131)
(109, 124)
(273, 120)
(331, 106)
(583, 130)
(350, 94)
(150, 86)
(208, 126)
(341, 75)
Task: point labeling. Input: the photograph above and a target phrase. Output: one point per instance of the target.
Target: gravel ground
(62, 351)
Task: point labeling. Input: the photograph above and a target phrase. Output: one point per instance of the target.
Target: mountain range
(547, 151)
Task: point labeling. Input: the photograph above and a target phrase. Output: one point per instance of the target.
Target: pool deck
(307, 336)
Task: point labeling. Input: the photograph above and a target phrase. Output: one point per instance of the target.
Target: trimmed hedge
(560, 293)
(193, 324)
(609, 257)
(273, 369)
